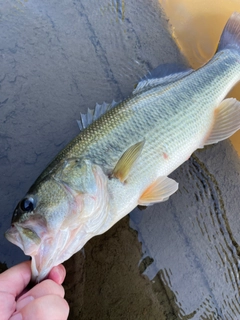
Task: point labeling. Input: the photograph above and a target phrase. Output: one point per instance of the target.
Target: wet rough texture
(193, 238)
(109, 285)
(57, 59)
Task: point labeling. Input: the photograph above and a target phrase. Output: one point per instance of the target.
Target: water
(58, 59)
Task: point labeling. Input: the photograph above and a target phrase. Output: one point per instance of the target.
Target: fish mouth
(23, 237)
(13, 235)
(32, 245)
(43, 247)
(42, 250)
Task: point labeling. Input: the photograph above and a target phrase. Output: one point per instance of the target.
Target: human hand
(44, 301)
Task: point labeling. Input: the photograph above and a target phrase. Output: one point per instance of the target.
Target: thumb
(57, 274)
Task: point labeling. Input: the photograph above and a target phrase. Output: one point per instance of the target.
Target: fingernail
(57, 274)
(60, 274)
(23, 302)
(17, 316)
(62, 271)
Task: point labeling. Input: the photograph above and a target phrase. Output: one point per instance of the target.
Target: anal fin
(160, 190)
(227, 121)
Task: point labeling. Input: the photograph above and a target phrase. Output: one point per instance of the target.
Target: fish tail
(230, 37)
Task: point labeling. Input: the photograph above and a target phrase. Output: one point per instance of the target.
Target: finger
(47, 307)
(46, 287)
(15, 279)
(57, 274)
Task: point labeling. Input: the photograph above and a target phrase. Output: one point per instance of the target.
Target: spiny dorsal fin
(162, 75)
(93, 114)
(127, 160)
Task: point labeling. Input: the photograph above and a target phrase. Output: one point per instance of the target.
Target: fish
(124, 154)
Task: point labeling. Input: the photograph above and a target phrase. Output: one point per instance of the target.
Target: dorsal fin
(93, 114)
(162, 75)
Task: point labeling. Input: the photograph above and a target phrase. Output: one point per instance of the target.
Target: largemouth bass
(124, 154)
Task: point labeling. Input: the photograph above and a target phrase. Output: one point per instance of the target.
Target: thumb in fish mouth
(32, 237)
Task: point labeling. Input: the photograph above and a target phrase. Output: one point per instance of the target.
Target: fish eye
(27, 204)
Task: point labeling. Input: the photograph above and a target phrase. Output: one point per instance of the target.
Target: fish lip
(13, 235)
(16, 235)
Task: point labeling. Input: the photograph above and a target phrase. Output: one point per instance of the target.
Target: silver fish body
(124, 157)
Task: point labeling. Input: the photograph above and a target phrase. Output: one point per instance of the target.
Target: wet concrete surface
(106, 282)
(194, 237)
(58, 59)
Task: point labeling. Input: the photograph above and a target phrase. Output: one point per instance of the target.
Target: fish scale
(124, 157)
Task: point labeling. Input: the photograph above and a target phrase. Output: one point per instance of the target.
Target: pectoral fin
(227, 121)
(160, 190)
(127, 160)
